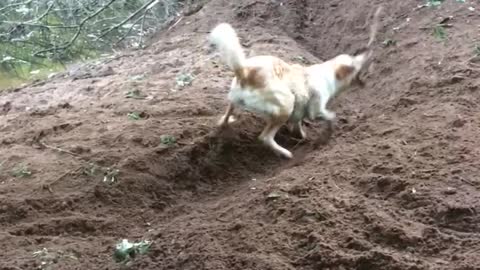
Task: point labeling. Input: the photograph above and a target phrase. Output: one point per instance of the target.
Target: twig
(40, 25)
(15, 4)
(57, 149)
(147, 6)
(49, 8)
(48, 186)
(178, 21)
(79, 29)
(129, 31)
(142, 27)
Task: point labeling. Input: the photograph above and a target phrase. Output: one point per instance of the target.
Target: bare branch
(15, 5)
(130, 29)
(49, 8)
(40, 25)
(147, 6)
(79, 29)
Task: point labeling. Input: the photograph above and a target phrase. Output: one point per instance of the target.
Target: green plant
(440, 33)
(21, 172)
(300, 59)
(433, 3)
(126, 251)
(135, 94)
(137, 115)
(168, 140)
(110, 175)
(184, 79)
(389, 42)
(477, 50)
(91, 169)
(48, 258)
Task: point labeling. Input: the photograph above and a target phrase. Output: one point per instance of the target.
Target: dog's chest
(302, 95)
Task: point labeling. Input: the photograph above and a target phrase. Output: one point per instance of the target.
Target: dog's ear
(211, 48)
(343, 71)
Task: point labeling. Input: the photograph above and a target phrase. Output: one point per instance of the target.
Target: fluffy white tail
(224, 37)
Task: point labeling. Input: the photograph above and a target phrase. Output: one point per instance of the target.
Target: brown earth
(396, 187)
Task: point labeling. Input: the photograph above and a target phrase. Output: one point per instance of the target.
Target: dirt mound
(118, 150)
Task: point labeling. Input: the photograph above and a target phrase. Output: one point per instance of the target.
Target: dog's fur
(284, 93)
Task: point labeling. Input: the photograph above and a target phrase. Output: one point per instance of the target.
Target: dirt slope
(395, 188)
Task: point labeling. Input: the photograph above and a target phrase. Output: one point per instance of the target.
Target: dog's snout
(211, 48)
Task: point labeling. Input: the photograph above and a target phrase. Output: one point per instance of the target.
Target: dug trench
(395, 187)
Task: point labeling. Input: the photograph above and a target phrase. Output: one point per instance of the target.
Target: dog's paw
(329, 115)
(232, 119)
(223, 123)
(287, 155)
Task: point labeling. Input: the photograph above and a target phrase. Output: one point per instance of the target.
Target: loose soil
(395, 187)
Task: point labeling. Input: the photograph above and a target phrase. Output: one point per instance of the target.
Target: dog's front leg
(227, 118)
(324, 112)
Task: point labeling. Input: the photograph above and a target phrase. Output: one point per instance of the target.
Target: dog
(285, 93)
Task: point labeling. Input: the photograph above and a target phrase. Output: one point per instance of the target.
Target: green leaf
(134, 116)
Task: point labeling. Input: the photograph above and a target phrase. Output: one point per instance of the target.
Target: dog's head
(348, 68)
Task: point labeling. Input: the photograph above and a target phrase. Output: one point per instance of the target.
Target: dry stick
(171, 27)
(374, 28)
(48, 186)
(58, 149)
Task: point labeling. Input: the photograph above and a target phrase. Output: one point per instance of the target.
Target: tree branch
(15, 5)
(147, 6)
(79, 29)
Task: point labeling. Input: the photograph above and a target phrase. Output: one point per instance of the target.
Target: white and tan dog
(284, 93)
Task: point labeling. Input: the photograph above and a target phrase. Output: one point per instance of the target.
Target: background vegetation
(38, 36)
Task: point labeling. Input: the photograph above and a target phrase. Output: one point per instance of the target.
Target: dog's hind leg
(227, 118)
(268, 136)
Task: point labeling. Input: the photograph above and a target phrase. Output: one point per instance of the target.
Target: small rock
(459, 123)
(450, 191)
(273, 195)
